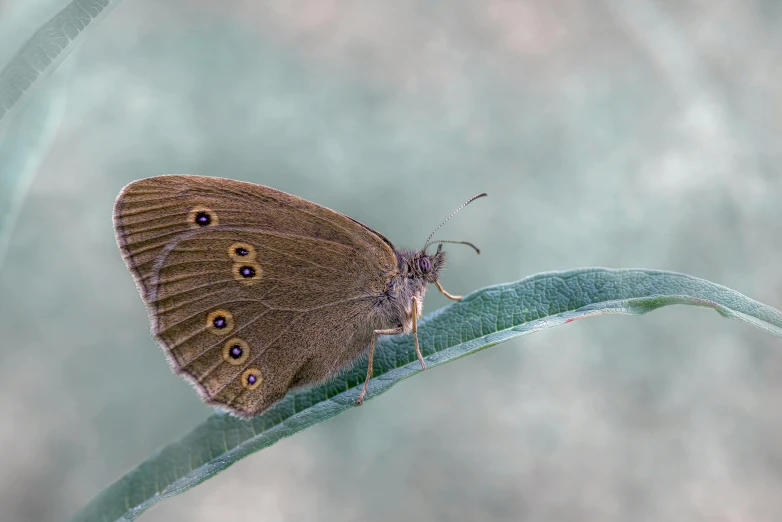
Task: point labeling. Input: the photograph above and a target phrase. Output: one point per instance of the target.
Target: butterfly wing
(251, 291)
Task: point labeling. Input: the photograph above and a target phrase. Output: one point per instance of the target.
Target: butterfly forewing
(250, 290)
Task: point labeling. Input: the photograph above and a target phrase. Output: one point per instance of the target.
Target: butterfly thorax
(415, 271)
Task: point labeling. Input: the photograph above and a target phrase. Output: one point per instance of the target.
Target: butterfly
(253, 292)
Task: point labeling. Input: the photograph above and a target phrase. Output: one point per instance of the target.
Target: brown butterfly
(253, 292)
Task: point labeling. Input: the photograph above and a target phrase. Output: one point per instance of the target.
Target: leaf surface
(485, 318)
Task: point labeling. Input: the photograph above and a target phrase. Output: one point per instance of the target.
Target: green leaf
(46, 49)
(483, 319)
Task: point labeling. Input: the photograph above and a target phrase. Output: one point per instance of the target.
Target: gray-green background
(626, 133)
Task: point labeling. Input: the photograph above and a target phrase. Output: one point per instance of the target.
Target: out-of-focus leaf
(45, 50)
(25, 145)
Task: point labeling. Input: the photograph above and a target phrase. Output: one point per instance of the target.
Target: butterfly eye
(425, 265)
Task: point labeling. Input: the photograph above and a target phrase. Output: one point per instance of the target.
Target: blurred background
(628, 133)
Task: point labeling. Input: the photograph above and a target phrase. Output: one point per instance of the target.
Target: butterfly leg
(390, 331)
(415, 333)
(446, 294)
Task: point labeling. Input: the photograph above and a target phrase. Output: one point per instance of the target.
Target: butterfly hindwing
(250, 290)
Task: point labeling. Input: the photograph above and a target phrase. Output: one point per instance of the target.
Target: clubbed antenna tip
(429, 239)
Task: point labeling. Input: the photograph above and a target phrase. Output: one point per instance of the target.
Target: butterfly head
(427, 267)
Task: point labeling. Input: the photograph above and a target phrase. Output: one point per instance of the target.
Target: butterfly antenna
(449, 217)
(477, 250)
